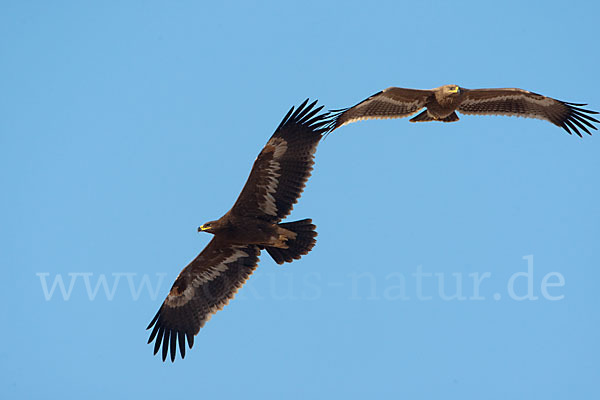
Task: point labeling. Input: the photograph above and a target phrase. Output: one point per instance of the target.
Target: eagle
(276, 181)
(443, 102)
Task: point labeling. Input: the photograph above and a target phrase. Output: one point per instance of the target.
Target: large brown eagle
(275, 183)
(442, 103)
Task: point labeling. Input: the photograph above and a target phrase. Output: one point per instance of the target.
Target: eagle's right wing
(202, 288)
(393, 102)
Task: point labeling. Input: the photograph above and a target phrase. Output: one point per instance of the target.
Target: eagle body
(440, 105)
(231, 229)
(443, 103)
(253, 224)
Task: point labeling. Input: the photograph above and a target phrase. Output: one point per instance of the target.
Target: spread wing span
(441, 102)
(276, 181)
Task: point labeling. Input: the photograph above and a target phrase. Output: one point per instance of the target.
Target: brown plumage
(442, 103)
(276, 181)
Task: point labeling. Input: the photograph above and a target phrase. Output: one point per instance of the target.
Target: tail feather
(450, 118)
(424, 117)
(304, 242)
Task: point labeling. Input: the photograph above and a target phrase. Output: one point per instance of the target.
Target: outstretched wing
(522, 103)
(202, 288)
(282, 168)
(392, 102)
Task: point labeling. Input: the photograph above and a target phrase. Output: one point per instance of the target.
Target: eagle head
(452, 89)
(210, 227)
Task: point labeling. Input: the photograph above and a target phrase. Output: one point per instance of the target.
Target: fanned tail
(424, 117)
(304, 242)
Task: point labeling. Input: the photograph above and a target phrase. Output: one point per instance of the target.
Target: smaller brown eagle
(442, 103)
(276, 181)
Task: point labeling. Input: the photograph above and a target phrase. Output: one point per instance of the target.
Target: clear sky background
(125, 125)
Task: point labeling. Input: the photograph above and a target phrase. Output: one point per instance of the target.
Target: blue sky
(126, 125)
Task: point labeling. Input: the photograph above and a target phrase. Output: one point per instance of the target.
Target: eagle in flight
(276, 181)
(443, 102)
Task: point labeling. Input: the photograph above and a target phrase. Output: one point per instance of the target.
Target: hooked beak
(202, 228)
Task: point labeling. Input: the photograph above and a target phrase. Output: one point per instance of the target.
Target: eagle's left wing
(202, 288)
(522, 103)
(282, 168)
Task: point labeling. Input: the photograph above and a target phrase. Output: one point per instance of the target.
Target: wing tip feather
(306, 115)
